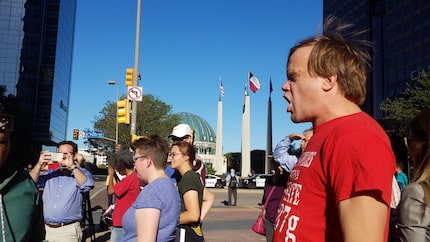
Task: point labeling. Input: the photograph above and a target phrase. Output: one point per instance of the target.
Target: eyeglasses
(172, 154)
(136, 157)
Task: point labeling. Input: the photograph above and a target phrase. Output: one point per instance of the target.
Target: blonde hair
(341, 55)
(419, 135)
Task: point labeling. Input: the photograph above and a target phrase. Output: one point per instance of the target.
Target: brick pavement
(231, 224)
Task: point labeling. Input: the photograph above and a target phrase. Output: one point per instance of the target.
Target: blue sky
(185, 46)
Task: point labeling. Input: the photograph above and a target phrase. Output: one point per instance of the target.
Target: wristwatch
(74, 167)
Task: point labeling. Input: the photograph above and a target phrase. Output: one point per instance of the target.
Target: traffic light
(135, 137)
(129, 76)
(123, 111)
(75, 134)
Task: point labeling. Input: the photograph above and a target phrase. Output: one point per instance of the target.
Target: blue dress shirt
(62, 195)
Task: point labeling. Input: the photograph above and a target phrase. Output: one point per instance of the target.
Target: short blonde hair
(334, 54)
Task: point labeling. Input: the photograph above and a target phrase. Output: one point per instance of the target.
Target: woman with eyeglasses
(414, 207)
(154, 216)
(190, 189)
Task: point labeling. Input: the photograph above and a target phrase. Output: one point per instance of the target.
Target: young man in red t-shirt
(340, 188)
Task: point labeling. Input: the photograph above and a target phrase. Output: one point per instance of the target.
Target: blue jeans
(116, 234)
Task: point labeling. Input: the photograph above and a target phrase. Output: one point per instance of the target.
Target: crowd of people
(44, 202)
(337, 187)
(159, 193)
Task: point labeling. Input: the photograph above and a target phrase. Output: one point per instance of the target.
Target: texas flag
(254, 83)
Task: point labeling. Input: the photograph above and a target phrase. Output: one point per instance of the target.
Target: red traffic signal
(75, 134)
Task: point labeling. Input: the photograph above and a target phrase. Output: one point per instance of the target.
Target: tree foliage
(153, 117)
(401, 109)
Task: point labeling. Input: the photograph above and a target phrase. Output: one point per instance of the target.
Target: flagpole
(220, 165)
(246, 152)
(269, 148)
(249, 77)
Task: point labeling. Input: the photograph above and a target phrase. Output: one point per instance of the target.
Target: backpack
(233, 182)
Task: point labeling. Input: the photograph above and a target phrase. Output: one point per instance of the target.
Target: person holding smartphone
(62, 193)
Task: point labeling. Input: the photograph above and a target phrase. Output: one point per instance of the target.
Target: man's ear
(329, 82)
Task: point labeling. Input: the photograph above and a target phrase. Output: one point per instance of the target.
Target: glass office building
(36, 43)
(400, 36)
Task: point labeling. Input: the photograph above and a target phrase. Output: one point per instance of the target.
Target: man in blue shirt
(286, 154)
(62, 193)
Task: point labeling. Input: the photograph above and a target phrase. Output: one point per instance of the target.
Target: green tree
(210, 169)
(153, 117)
(401, 109)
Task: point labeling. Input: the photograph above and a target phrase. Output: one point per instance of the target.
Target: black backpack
(233, 182)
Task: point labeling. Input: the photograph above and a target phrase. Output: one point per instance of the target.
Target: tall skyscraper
(36, 43)
(400, 36)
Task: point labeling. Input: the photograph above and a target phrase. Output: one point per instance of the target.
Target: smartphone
(56, 157)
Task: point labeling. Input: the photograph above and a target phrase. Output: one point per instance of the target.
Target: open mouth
(289, 107)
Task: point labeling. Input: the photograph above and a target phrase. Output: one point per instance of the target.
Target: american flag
(221, 87)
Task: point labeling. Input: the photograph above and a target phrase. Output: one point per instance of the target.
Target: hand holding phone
(56, 157)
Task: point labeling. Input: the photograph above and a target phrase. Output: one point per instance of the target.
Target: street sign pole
(136, 71)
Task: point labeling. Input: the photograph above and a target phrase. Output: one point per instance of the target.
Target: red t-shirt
(126, 192)
(345, 156)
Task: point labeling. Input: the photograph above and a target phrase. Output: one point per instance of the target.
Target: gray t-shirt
(161, 194)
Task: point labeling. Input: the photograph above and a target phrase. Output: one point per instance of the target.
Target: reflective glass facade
(399, 32)
(36, 39)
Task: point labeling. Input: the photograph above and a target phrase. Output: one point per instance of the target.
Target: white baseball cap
(181, 130)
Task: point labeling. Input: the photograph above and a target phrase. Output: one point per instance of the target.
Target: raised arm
(110, 180)
(41, 164)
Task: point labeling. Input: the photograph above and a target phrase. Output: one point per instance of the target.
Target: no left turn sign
(134, 93)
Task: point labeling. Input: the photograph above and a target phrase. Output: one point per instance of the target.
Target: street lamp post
(110, 82)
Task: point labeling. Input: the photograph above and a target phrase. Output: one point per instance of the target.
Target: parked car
(255, 181)
(215, 181)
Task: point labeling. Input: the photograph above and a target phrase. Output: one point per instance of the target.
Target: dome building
(204, 136)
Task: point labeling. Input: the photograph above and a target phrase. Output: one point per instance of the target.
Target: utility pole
(136, 70)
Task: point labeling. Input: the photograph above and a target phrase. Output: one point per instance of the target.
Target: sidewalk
(231, 224)
(227, 224)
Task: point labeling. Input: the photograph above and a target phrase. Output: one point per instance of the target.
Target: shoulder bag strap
(263, 208)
